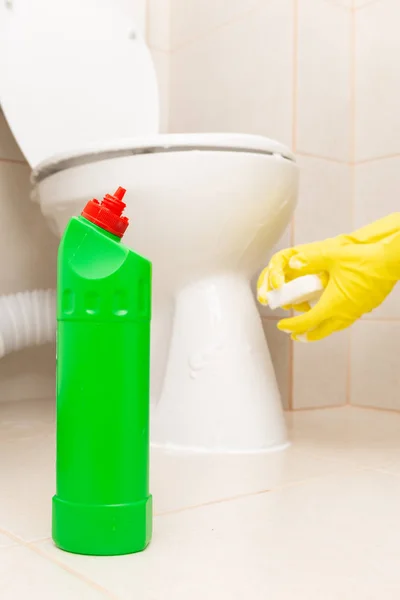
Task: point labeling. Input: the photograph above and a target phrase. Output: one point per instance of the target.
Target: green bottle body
(102, 504)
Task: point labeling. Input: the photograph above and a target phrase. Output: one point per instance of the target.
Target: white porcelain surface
(376, 195)
(375, 374)
(326, 510)
(238, 78)
(323, 88)
(97, 82)
(206, 221)
(377, 80)
(162, 63)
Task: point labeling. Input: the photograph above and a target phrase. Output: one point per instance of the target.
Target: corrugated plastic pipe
(27, 319)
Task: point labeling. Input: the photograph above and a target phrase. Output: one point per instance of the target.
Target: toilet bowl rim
(162, 143)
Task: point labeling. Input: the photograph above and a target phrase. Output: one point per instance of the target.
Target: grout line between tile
(270, 318)
(295, 73)
(367, 161)
(14, 161)
(380, 320)
(32, 546)
(71, 571)
(294, 146)
(376, 408)
(326, 158)
(277, 488)
(326, 407)
(206, 33)
(366, 4)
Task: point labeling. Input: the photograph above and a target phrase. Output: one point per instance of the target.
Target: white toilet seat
(72, 74)
(233, 142)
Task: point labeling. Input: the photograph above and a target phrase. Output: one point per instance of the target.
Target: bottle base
(102, 530)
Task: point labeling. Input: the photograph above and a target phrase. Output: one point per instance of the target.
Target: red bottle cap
(108, 213)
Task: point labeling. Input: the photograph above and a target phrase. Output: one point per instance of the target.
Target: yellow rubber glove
(358, 272)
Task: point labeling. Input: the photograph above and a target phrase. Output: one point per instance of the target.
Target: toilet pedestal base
(219, 392)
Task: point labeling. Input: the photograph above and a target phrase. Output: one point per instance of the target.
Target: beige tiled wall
(280, 68)
(321, 76)
(375, 357)
(28, 254)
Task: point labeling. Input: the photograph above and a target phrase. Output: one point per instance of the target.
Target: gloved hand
(358, 272)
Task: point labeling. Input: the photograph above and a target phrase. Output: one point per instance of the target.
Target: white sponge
(303, 289)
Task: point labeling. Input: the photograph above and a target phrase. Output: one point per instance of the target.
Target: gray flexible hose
(27, 319)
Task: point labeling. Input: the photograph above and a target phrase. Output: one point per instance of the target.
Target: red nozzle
(108, 213)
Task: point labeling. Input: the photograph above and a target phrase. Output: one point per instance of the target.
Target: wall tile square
(320, 372)
(161, 62)
(194, 18)
(375, 372)
(377, 186)
(8, 146)
(377, 80)
(279, 347)
(159, 24)
(324, 90)
(238, 78)
(325, 200)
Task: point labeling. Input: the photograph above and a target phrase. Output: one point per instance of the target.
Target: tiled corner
(239, 78)
(377, 185)
(9, 148)
(363, 437)
(320, 372)
(324, 78)
(24, 573)
(377, 80)
(325, 200)
(161, 62)
(279, 347)
(159, 24)
(375, 374)
(195, 18)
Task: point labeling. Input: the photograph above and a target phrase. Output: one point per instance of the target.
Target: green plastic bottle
(102, 505)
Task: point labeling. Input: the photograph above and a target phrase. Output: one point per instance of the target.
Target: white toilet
(78, 89)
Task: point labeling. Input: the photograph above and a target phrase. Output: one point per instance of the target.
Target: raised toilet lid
(73, 73)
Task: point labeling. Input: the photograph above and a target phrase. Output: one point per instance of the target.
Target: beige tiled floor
(318, 521)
